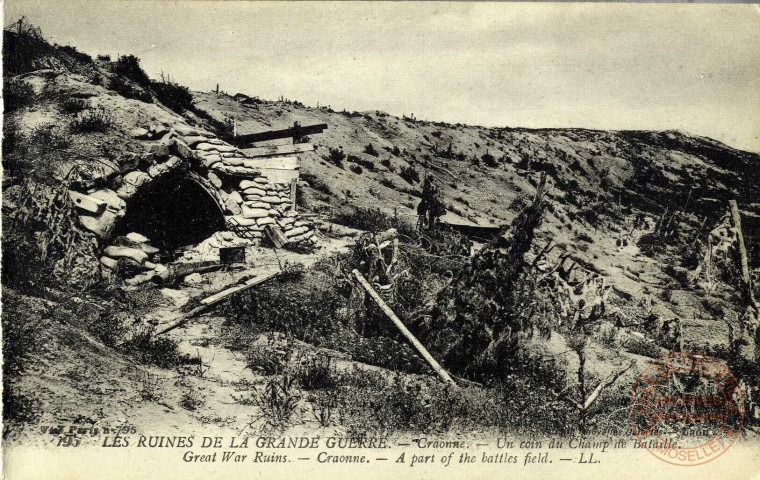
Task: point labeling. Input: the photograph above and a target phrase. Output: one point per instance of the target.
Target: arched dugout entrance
(172, 212)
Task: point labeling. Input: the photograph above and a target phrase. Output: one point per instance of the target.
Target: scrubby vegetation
(500, 309)
(92, 121)
(175, 96)
(410, 174)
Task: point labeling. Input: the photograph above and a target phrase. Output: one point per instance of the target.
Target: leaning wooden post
(736, 222)
(396, 321)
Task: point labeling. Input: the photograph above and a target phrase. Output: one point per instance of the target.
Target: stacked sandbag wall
(249, 200)
(132, 257)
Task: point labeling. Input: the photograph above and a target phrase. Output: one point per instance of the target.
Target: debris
(125, 252)
(137, 238)
(103, 224)
(160, 169)
(139, 133)
(275, 235)
(405, 331)
(217, 298)
(87, 203)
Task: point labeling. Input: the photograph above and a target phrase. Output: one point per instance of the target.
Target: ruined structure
(188, 186)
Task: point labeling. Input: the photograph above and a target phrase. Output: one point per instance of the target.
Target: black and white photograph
(380, 239)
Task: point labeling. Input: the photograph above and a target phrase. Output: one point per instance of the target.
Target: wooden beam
(208, 302)
(405, 331)
(274, 150)
(293, 132)
(736, 222)
(280, 162)
(216, 298)
(87, 203)
(604, 384)
(293, 190)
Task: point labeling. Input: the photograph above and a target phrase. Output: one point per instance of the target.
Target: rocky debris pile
(208, 250)
(131, 256)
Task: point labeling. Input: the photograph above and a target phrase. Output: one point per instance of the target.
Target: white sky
(694, 68)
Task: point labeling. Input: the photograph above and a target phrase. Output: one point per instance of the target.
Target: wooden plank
(279, 162)
(293, 190)
(277, 175)
(736, 222)
(87, 203)
(215, 299)
(274, 150)
(405, 331)
(293, 132)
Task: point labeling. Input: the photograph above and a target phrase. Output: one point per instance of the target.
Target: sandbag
(135, 254)
(109, 263)
(254, 212)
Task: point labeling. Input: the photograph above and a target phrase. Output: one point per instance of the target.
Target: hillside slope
(633, 207)
(650, 171)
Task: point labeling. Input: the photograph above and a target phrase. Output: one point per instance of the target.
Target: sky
(694, 68)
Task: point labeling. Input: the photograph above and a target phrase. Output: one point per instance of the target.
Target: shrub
(584, 237)
(129, 66)
(72, 106)
(316, 183)
(277, 402)
(19, 407)
(96, 120)
(109, 329)
(52, 136)
(17, 94)
(265, 360)
(355, 168)
(104, 57)
(317, 373)
(642, 346)
(23, 46)
(81, 56)
(190, 400)
(368, 164)
(159, 351)
(369, 149)
(323, 407)
(651, 243)
(369, 219)
(175, 96)
(150, 386)
(489, 160)
(128, 90)
(396, 151)
(336, 157)
(22, 330)
(410, 174)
